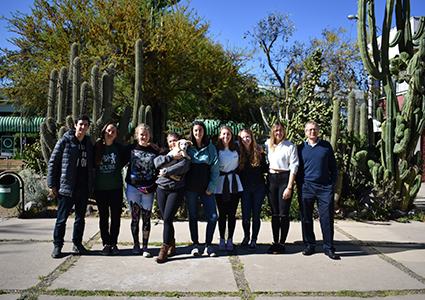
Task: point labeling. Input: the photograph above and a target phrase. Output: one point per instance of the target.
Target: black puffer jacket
(62, 169)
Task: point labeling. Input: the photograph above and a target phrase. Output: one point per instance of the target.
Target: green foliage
(35, 188)
(184, 71)
(34, 158)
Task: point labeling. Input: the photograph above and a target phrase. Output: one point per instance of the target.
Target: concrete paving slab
(48, 297)
(391, 231)
(403, 297)
(42, 229)
(22, 264)
(10, 296)
(411, 256)
(357, 270)
(183, 234)
(126, 272)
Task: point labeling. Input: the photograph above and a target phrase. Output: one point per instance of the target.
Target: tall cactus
(138, 82)
(49, 131)
(401, 129)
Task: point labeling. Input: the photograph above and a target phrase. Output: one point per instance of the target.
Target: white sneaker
(195, 251)
(146, 253)
(209, 251)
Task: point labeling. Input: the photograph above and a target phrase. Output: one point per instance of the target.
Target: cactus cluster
(401, 128)
(70, 96)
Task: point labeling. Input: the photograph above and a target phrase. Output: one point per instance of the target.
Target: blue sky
(230, 19)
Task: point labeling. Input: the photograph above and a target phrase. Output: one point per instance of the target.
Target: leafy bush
(34, 158)
(35, 188)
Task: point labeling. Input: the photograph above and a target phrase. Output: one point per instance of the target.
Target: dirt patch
(8, 212)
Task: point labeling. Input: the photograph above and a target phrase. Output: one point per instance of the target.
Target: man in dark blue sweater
(316, 178)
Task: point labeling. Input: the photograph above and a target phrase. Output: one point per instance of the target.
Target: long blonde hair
(254, 155)
(272, 142)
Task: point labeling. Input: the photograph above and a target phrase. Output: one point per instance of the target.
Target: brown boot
(172, 249)
(162, 256)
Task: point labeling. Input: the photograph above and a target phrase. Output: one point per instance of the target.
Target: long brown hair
(272, 131)
(254, 155)
(220, 144)
(205, 140)
(100, 145)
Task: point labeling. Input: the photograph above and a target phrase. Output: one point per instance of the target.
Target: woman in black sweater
(252, 166)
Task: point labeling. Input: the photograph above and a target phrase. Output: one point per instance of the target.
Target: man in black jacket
(70, 178)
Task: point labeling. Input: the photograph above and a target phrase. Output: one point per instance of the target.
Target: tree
(295, 73)
(180, 63)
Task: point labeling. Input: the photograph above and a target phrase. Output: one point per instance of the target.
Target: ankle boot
(172, 249)
(162, 256)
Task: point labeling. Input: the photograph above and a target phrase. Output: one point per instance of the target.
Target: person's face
(110, 133)
(278, 134)
(198, 132)
(312, 132)
(225, 136)
(172, 140)
(81, 127)
(143, 137)
(246, 138)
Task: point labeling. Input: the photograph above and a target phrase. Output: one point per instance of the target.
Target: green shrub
(35, 188)
(34, 158)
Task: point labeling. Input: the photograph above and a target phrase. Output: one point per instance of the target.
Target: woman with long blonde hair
(141, 186)
(283, 161)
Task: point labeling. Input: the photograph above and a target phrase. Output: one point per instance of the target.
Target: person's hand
(52, 191)
(162, 150)
(178, 155)
(208, 192)
(287, 193)
(260, 149)
(161, 172)
(153, 145)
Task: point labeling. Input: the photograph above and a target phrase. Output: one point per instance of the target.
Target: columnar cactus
(401, 129)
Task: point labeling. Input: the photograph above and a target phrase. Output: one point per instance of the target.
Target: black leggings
(227, 211)
(277, 183)
(105, 200)
(169, 202)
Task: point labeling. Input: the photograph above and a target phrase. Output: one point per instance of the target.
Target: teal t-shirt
(108, 173)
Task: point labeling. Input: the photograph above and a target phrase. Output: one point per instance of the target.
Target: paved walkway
(377, 259)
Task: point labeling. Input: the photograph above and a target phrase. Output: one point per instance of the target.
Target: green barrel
(9, 191)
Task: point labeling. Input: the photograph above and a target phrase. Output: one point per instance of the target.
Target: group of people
(218, 175)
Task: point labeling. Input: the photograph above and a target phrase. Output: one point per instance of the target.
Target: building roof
(13, 124)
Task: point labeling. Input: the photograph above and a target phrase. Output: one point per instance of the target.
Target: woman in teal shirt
(108, 186)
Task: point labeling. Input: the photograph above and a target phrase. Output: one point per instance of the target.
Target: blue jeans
(208, 202)
(79, 199)
(252, 199)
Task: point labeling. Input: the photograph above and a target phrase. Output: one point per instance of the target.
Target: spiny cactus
(49, 130)
(401, 129)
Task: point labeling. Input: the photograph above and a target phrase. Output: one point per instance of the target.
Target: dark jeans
(309, 193)
(277, 183)
(79, 199)
(169, 202)
(252, 199)
(109, 200)
(227, 211)
(208, 203)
